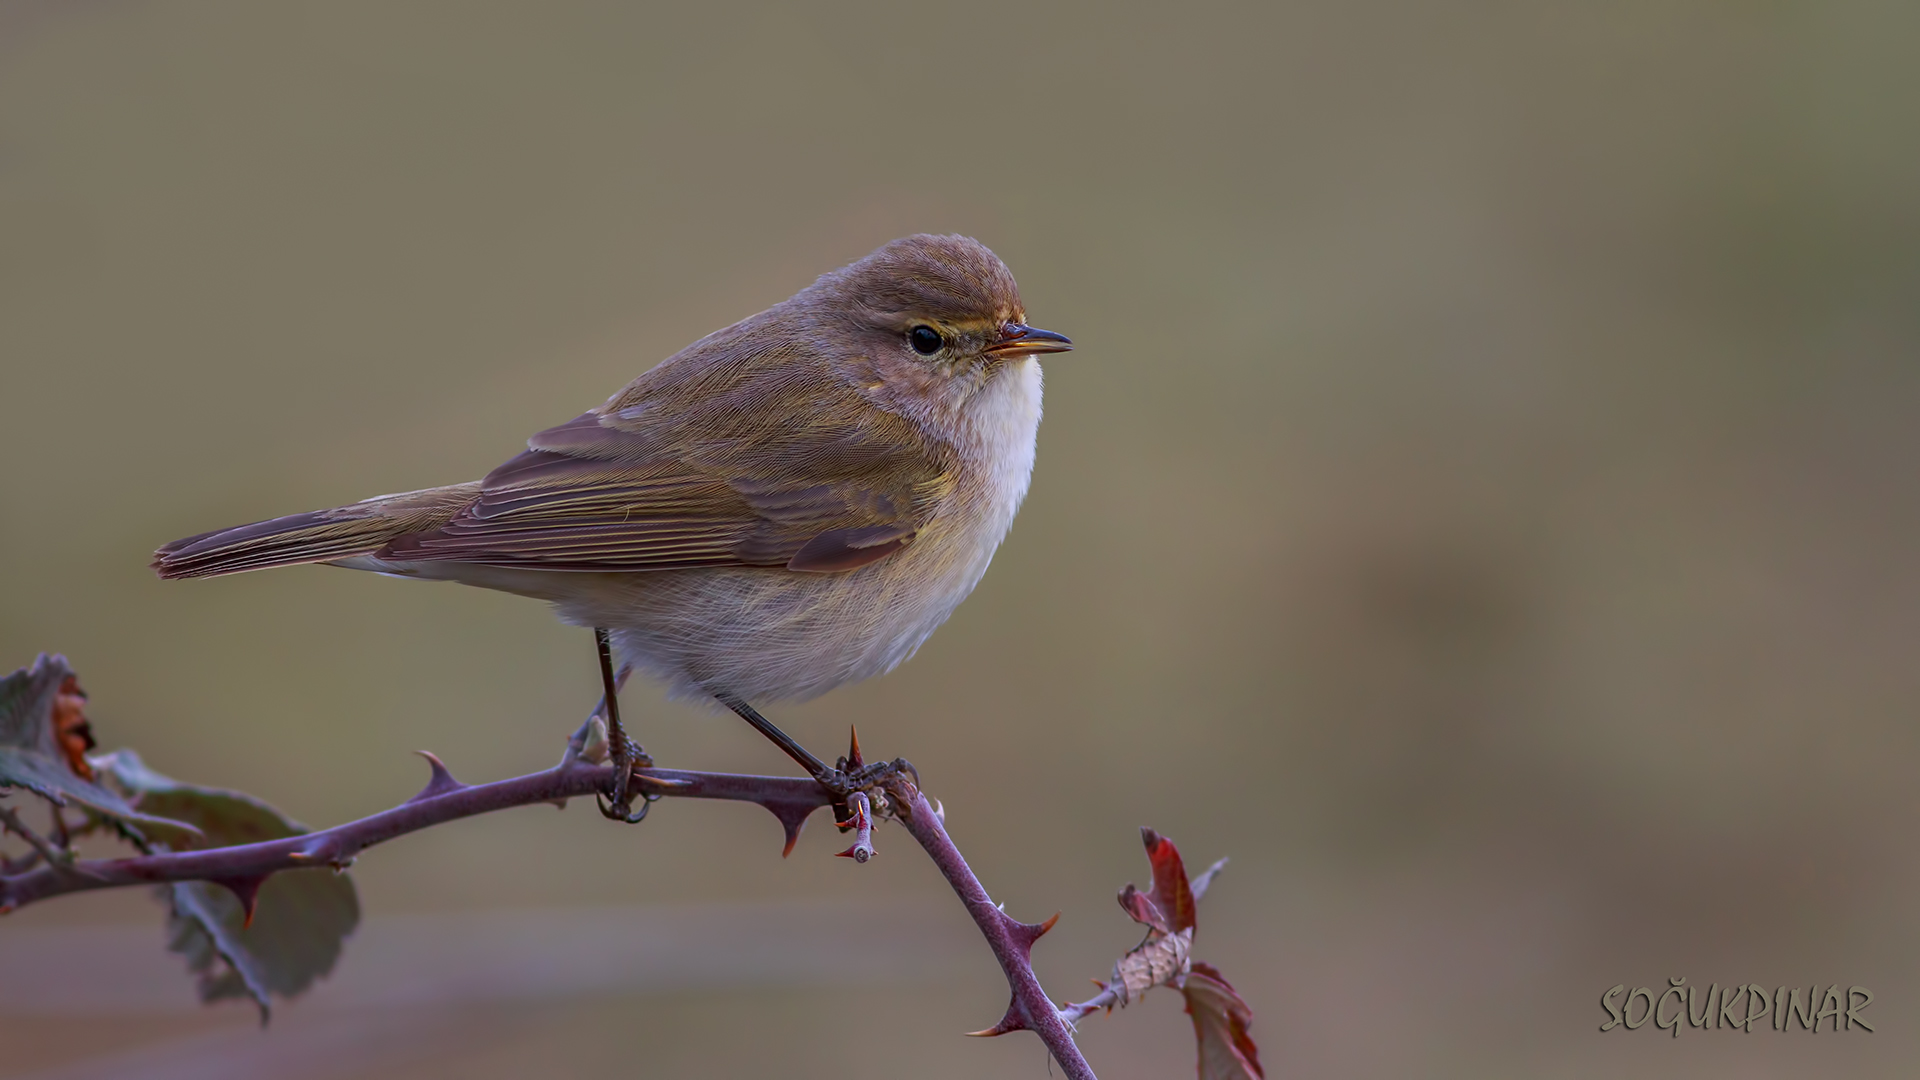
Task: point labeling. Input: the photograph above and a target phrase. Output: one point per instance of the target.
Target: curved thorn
(1028, 933)
(440, 783)
(1012, 1021)
(247, 891)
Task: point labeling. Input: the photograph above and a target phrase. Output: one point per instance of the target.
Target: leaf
(223, 818)
(1143, 910)
(299, 918)
(43, 736)
(1158, 961)
(1221, 1021)
(295, 936)
(1171, 894)
(1220, 1025)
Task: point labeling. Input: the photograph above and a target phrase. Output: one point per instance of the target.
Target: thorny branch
(243, 867)
(444, 799)
(1011, 940)
(791, 799)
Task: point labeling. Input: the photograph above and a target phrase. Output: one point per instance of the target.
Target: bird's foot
(853, 773)
(626, 756)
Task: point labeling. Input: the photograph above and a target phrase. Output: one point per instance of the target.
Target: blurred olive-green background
(1482, 503)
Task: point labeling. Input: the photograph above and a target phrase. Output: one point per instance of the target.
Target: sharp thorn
(440, 783)
(247, 891)
(854, 760)
(1028, 933)
(661, 783)
(1010, 1022)
(792, 819)
(793, 835)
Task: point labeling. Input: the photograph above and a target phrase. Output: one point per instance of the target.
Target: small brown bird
(785, 506)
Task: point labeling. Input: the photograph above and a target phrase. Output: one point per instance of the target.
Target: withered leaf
(43, 735)
(1157, 961)
(1221, 1023)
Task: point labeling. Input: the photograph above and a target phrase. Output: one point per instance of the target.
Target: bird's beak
(1017, 339)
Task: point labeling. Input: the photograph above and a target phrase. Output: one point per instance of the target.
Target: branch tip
(861, 822)
(1199, 885)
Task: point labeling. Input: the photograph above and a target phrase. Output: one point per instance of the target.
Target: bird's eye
(925, 340)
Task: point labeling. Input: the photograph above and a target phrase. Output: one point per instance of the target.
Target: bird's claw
(624, 812)
(849, 777)
(628, 756)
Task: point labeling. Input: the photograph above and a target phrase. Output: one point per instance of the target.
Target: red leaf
(1143, 910)
(1220, 1025)
(1170, 891)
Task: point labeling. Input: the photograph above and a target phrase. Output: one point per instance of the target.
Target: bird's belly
(774, 634)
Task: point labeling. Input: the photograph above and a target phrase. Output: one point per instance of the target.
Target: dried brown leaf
(1158, 961)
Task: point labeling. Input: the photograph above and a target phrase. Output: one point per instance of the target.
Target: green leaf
(223, 818)
(38, 755)
(300, 917)
(301, 920)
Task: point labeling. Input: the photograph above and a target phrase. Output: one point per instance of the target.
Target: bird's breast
(996, 435)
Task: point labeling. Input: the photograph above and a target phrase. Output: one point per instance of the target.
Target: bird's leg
(624, 752)
(850, 776)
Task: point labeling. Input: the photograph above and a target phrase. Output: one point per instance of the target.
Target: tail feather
(316, 536)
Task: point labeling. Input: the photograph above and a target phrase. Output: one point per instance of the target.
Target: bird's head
(933, 318)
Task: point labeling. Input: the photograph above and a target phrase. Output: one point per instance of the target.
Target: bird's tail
(361, 528)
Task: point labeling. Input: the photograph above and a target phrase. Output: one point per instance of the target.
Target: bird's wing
(643, 485)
